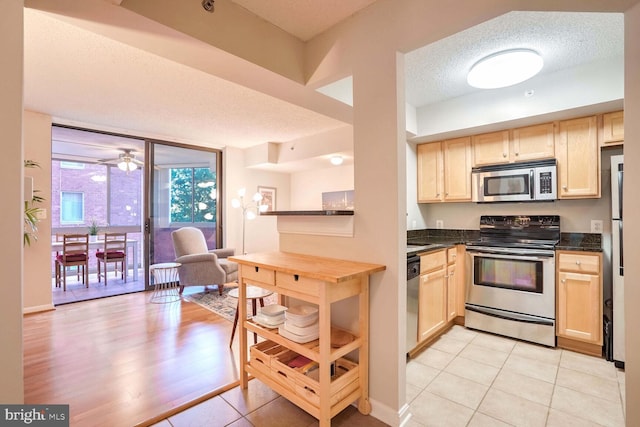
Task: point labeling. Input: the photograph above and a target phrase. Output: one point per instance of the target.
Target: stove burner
(519, 231)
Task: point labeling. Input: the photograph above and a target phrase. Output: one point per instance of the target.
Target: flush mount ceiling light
(505, 68)
(336, 160)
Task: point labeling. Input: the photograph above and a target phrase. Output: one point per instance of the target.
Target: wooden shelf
(309, 213)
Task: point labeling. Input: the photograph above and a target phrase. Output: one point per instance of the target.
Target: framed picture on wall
(268, 197)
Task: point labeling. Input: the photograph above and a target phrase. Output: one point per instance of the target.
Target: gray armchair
(201, 266)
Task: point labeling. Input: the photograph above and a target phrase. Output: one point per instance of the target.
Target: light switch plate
(596, 226)
(439, 224)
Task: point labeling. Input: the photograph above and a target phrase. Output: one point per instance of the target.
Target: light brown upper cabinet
(430, 177)
(578, 156)
(518, 145)
(612, 129)
(491, 148)
(532, 143)
(444, 171)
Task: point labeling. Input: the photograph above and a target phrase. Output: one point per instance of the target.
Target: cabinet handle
(257, 268)
(564, 187)
(446, 194)
(437, 194)
(564, 280)
(578, 262)
(504, 155)
(296, 277)
(517, 154)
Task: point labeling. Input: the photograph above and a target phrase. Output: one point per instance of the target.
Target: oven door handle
(500, 255)
(502, 314)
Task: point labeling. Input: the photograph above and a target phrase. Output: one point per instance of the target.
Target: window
(71, 207)
(193, 195)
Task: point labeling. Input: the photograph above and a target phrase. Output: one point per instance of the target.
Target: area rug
(224, 305)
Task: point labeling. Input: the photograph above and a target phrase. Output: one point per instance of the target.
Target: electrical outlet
(439, 224)
(596, 226)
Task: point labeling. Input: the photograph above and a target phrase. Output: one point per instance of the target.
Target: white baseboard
(38, 308)
(389, 416)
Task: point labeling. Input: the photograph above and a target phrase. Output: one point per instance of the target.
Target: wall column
(11, 171)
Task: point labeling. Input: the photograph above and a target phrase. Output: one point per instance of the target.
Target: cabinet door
(491, 148)
(580, 307)
(612, 128)
(452, 291)
(532, 143)
(432, 313)
(578, 157)
(430, 175)
(457, 169)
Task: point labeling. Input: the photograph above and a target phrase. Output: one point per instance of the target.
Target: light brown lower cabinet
(441, 292)
(432, 312)
(579, 301)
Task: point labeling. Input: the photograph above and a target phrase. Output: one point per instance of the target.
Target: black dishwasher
(413, 286)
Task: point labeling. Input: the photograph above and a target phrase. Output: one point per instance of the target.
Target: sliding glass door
(183, 187)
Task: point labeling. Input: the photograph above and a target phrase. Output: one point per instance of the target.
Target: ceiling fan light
(127, 166)
(505, 68)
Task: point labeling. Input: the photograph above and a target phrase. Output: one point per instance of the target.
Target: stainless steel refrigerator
(617, 260)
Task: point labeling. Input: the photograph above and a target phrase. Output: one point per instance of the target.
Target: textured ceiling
(439, 71)
(80, 77)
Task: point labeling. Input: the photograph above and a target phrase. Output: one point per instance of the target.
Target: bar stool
(254, 294)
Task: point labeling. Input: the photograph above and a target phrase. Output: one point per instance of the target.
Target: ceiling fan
(126, 161)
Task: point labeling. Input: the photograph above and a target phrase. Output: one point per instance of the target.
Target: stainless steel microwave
(515, 182)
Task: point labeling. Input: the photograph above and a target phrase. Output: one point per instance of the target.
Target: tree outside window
(193, 195)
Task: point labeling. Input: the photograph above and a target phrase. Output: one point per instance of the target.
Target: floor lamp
(250, 209)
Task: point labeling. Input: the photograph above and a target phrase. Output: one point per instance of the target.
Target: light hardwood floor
(121, 361)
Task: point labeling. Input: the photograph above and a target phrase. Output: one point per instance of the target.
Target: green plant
(31, 211)
(94, 228)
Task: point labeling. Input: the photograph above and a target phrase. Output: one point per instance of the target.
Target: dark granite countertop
(438, 239)
(442, 237)
(590, 242)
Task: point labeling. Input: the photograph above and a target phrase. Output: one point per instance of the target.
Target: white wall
(307, 187)
(260, 233)
(11, 173)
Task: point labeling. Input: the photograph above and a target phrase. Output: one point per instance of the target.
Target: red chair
(115, 252)
(75, 252)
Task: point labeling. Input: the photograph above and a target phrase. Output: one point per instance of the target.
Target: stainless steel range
(511, 289)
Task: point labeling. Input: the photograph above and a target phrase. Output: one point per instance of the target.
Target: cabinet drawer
(297, 283)
(578, 262)
(258, 274)
(433, 261)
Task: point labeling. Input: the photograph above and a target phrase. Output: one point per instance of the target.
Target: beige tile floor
(465, 378)
(258, 406)
(469, 378)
